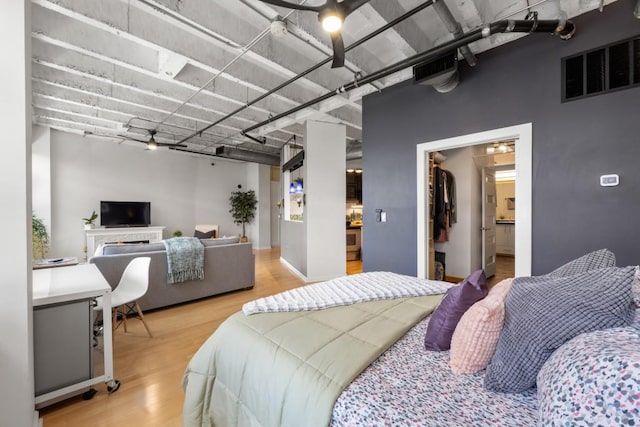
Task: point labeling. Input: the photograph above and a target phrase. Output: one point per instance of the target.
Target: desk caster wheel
(88, 395)
(115, 385)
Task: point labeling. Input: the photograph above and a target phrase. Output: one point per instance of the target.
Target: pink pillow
(476, 336)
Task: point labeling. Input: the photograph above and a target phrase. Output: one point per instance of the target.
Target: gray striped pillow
(543, 312)
(591, 261)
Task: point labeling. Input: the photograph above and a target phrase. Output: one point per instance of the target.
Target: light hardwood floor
(150, 369)
(505, 268)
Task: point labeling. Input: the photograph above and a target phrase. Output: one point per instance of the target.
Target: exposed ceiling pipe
(563, 28)
(454, 28)
(242, 52)
(313, 68)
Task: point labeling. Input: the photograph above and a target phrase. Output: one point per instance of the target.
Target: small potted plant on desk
(89, 222)
(243, 207)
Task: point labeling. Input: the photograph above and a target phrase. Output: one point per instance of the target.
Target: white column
(16, 327)
(325, 183)
(259, 180)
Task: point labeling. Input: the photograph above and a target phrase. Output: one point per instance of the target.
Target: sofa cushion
(591, 261)
(211, 234)
(130, 248)
(594, 379)
(542, 313)
(476, 336)
(220, 241)
(456, 301)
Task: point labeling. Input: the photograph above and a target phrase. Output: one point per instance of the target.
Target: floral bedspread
(408, 386)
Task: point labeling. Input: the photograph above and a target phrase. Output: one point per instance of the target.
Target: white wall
(316, 248)
(503, 191)
(325, 187)
(184, 190)
(464, 245)
(41, 176)
(16, 328)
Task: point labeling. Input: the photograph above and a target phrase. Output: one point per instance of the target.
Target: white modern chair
(133, 284)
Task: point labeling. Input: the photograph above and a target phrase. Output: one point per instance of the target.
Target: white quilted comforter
(347, 290)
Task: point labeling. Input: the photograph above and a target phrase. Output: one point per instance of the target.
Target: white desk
(78, 282)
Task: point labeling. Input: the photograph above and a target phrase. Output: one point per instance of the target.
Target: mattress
(409, 386)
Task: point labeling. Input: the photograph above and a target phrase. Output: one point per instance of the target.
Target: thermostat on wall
(609, 180)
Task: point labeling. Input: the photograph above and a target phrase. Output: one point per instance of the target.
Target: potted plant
(88, 222)
(39, 237)
(177, 233)
(243, 207)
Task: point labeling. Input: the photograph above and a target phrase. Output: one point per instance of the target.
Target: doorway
(523, 167)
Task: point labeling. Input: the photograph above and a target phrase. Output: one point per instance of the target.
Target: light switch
(383, 216)
(609, 180)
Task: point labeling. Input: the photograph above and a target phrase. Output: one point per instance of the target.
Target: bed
(364, 363)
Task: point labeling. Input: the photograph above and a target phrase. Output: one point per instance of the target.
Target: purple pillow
(456, 301)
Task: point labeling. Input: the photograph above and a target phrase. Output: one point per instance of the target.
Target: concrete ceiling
(121, 67)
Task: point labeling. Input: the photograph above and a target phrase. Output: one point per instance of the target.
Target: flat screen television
(125, 214)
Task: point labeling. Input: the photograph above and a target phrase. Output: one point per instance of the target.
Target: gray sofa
(227, 267)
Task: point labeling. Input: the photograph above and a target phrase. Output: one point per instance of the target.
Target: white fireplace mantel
(95, 236)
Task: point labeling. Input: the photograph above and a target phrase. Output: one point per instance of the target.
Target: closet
(443, 213)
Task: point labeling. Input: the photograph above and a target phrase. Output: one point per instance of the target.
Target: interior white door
(489, 222)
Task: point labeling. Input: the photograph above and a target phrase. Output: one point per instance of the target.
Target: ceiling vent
(441, 73)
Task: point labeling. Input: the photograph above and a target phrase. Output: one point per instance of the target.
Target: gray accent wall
(573, 144)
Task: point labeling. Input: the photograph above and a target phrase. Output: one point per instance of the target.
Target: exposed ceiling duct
(188, 71)
(247, 156)
(441, 73)
(560, 27)
(355, 44)
(454, 28)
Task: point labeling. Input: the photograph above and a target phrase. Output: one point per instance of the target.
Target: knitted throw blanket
(347, 290)
(185, 259)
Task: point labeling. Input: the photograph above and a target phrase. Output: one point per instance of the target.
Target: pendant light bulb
(331, 22)
(299, 186)
(292, 188)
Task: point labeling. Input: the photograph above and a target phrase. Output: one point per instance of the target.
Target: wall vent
(441, 73)
(601, 70)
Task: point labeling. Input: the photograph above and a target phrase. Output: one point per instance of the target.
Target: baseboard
(453, 279)
(293, 269)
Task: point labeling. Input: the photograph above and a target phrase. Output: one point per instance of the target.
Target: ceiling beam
(185, 18)
(125, 34)
(102, 85)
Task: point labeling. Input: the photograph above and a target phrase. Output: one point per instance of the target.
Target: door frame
(523, 134)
